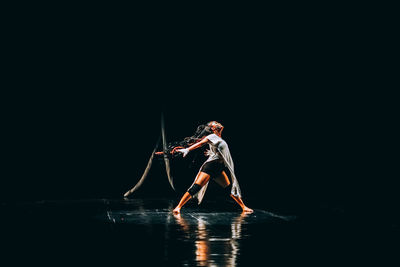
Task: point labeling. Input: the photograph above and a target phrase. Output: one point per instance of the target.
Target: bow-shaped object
(166, 160)
(150, 162)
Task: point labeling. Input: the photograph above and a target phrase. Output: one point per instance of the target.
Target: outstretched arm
(172, 151)
(185, 151)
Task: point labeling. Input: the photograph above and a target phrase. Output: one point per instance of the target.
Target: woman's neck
(217, 133)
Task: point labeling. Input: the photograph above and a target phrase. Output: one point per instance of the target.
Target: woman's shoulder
(212, 135)
(213, 138)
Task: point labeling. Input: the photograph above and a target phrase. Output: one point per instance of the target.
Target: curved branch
(166, 160)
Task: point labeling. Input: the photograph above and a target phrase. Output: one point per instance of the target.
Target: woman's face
(216, 126)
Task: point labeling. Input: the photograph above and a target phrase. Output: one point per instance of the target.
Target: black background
(87, 87)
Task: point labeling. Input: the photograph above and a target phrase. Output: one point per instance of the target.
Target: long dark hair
(201, 131)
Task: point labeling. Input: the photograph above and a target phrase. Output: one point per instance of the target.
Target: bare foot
(177, 216)
(176, 210)
(247, 210)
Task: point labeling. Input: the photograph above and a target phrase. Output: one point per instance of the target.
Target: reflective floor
(144, 232)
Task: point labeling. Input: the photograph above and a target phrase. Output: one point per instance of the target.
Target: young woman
(219, 158)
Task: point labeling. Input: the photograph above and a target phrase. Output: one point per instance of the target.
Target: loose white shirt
(219, 150)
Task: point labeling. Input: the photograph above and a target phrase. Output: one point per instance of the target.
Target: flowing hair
(201, 131)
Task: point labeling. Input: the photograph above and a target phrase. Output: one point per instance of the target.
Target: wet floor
(144, 232)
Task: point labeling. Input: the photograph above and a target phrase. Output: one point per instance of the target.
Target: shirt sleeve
(213, 138)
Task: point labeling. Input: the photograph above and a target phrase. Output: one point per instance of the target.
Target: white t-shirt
(219, 151)
(217, 146)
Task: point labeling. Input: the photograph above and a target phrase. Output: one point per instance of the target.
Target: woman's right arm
(172, 151)
(185, 151)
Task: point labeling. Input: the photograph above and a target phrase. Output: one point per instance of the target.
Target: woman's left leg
(223, 181)
(201, 179)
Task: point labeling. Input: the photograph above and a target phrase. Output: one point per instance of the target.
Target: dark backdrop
(291, 148)
(82, 111)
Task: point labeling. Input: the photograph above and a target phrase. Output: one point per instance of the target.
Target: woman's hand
(176, 149)
(207, 153)
(173, 151)
(184, 151)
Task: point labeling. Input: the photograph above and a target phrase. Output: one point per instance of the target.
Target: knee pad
(194, 189)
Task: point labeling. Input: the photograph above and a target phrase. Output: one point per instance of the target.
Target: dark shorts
(214, 168)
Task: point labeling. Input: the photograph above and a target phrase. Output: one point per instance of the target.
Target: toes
(248, 210)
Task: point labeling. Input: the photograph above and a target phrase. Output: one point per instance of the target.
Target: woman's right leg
(201, 179)
(223, 181)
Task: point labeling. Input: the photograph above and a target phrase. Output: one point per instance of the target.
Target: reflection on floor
(144, 232)
(214, 235)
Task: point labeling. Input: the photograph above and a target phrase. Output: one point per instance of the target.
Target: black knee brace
(194, 189)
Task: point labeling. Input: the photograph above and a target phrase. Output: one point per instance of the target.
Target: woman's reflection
(214, 246)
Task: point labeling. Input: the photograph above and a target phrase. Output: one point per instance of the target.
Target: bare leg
(241, 204)
(201, 179)
(224, 182)
(183, 201)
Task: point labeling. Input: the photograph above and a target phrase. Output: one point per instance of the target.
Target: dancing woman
(219, 157)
